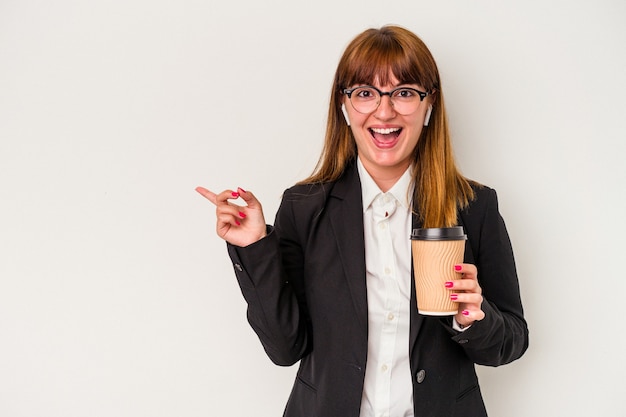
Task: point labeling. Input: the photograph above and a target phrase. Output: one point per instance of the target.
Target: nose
(385, 110)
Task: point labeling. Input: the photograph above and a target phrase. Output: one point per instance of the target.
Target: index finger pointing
(209, 195)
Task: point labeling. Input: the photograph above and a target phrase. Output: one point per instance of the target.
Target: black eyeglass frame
(349, 91)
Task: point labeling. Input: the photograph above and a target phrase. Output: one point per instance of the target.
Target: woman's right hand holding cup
(239, 225)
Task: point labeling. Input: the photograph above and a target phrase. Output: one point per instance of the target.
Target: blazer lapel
(345, 207)
(416, 318)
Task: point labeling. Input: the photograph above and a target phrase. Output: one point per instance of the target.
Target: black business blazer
(306, 292)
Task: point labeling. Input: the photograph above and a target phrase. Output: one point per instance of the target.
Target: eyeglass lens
(367, 99)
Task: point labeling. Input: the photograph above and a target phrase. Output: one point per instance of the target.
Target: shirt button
(421, 375)
(390, 316)
(387, 271)
(383, 368)
(382, 226)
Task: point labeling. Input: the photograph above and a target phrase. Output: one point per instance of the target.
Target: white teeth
(385, 131)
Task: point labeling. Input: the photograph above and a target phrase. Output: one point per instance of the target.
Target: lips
(385, 137)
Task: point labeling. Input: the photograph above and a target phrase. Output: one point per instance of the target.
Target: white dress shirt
(388, 388)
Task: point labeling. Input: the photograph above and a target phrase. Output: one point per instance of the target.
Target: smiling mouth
(386, 134)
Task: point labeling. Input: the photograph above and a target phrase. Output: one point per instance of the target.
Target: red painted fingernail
(457, 267)
(242, 215)
(449, 284)
(237, 223)
(465, 313)
(234, 194)
(454, 297)
(241, 189)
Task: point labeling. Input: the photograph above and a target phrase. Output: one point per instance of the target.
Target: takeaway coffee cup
(435, 252)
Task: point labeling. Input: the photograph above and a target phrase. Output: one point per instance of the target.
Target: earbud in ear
(428, 112)
(345, 113)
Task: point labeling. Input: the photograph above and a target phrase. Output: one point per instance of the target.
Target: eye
(405, 93)
(365, 93)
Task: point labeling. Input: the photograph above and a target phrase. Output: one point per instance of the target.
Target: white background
(118, 299)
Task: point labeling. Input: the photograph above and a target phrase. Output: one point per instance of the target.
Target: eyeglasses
(366, 99)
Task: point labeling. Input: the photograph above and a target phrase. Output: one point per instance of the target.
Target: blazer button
(421, 375)
(238, 267)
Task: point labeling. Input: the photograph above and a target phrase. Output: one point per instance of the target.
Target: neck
(387, 177)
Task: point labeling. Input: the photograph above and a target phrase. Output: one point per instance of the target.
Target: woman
(329, 284)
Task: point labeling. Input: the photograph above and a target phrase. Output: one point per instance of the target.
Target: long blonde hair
(378, 54)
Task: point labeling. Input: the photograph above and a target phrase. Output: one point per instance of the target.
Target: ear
(345, 113)
(428, 112)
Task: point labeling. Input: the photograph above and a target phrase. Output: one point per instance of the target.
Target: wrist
(459, 326)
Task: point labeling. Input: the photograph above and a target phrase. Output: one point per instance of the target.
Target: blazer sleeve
(502, 336)
(266, 272)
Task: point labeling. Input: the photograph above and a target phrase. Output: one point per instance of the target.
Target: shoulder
(301, 207)
(483, 196)
(308, 192)
(319, 193)
(302, 202)
(307, 195)
(305, 205)
(482, 206)
(485, 227)
(482, 216)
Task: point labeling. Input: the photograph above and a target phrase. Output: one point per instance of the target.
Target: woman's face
(385, 140)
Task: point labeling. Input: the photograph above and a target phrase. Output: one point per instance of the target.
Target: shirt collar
(370, 190)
